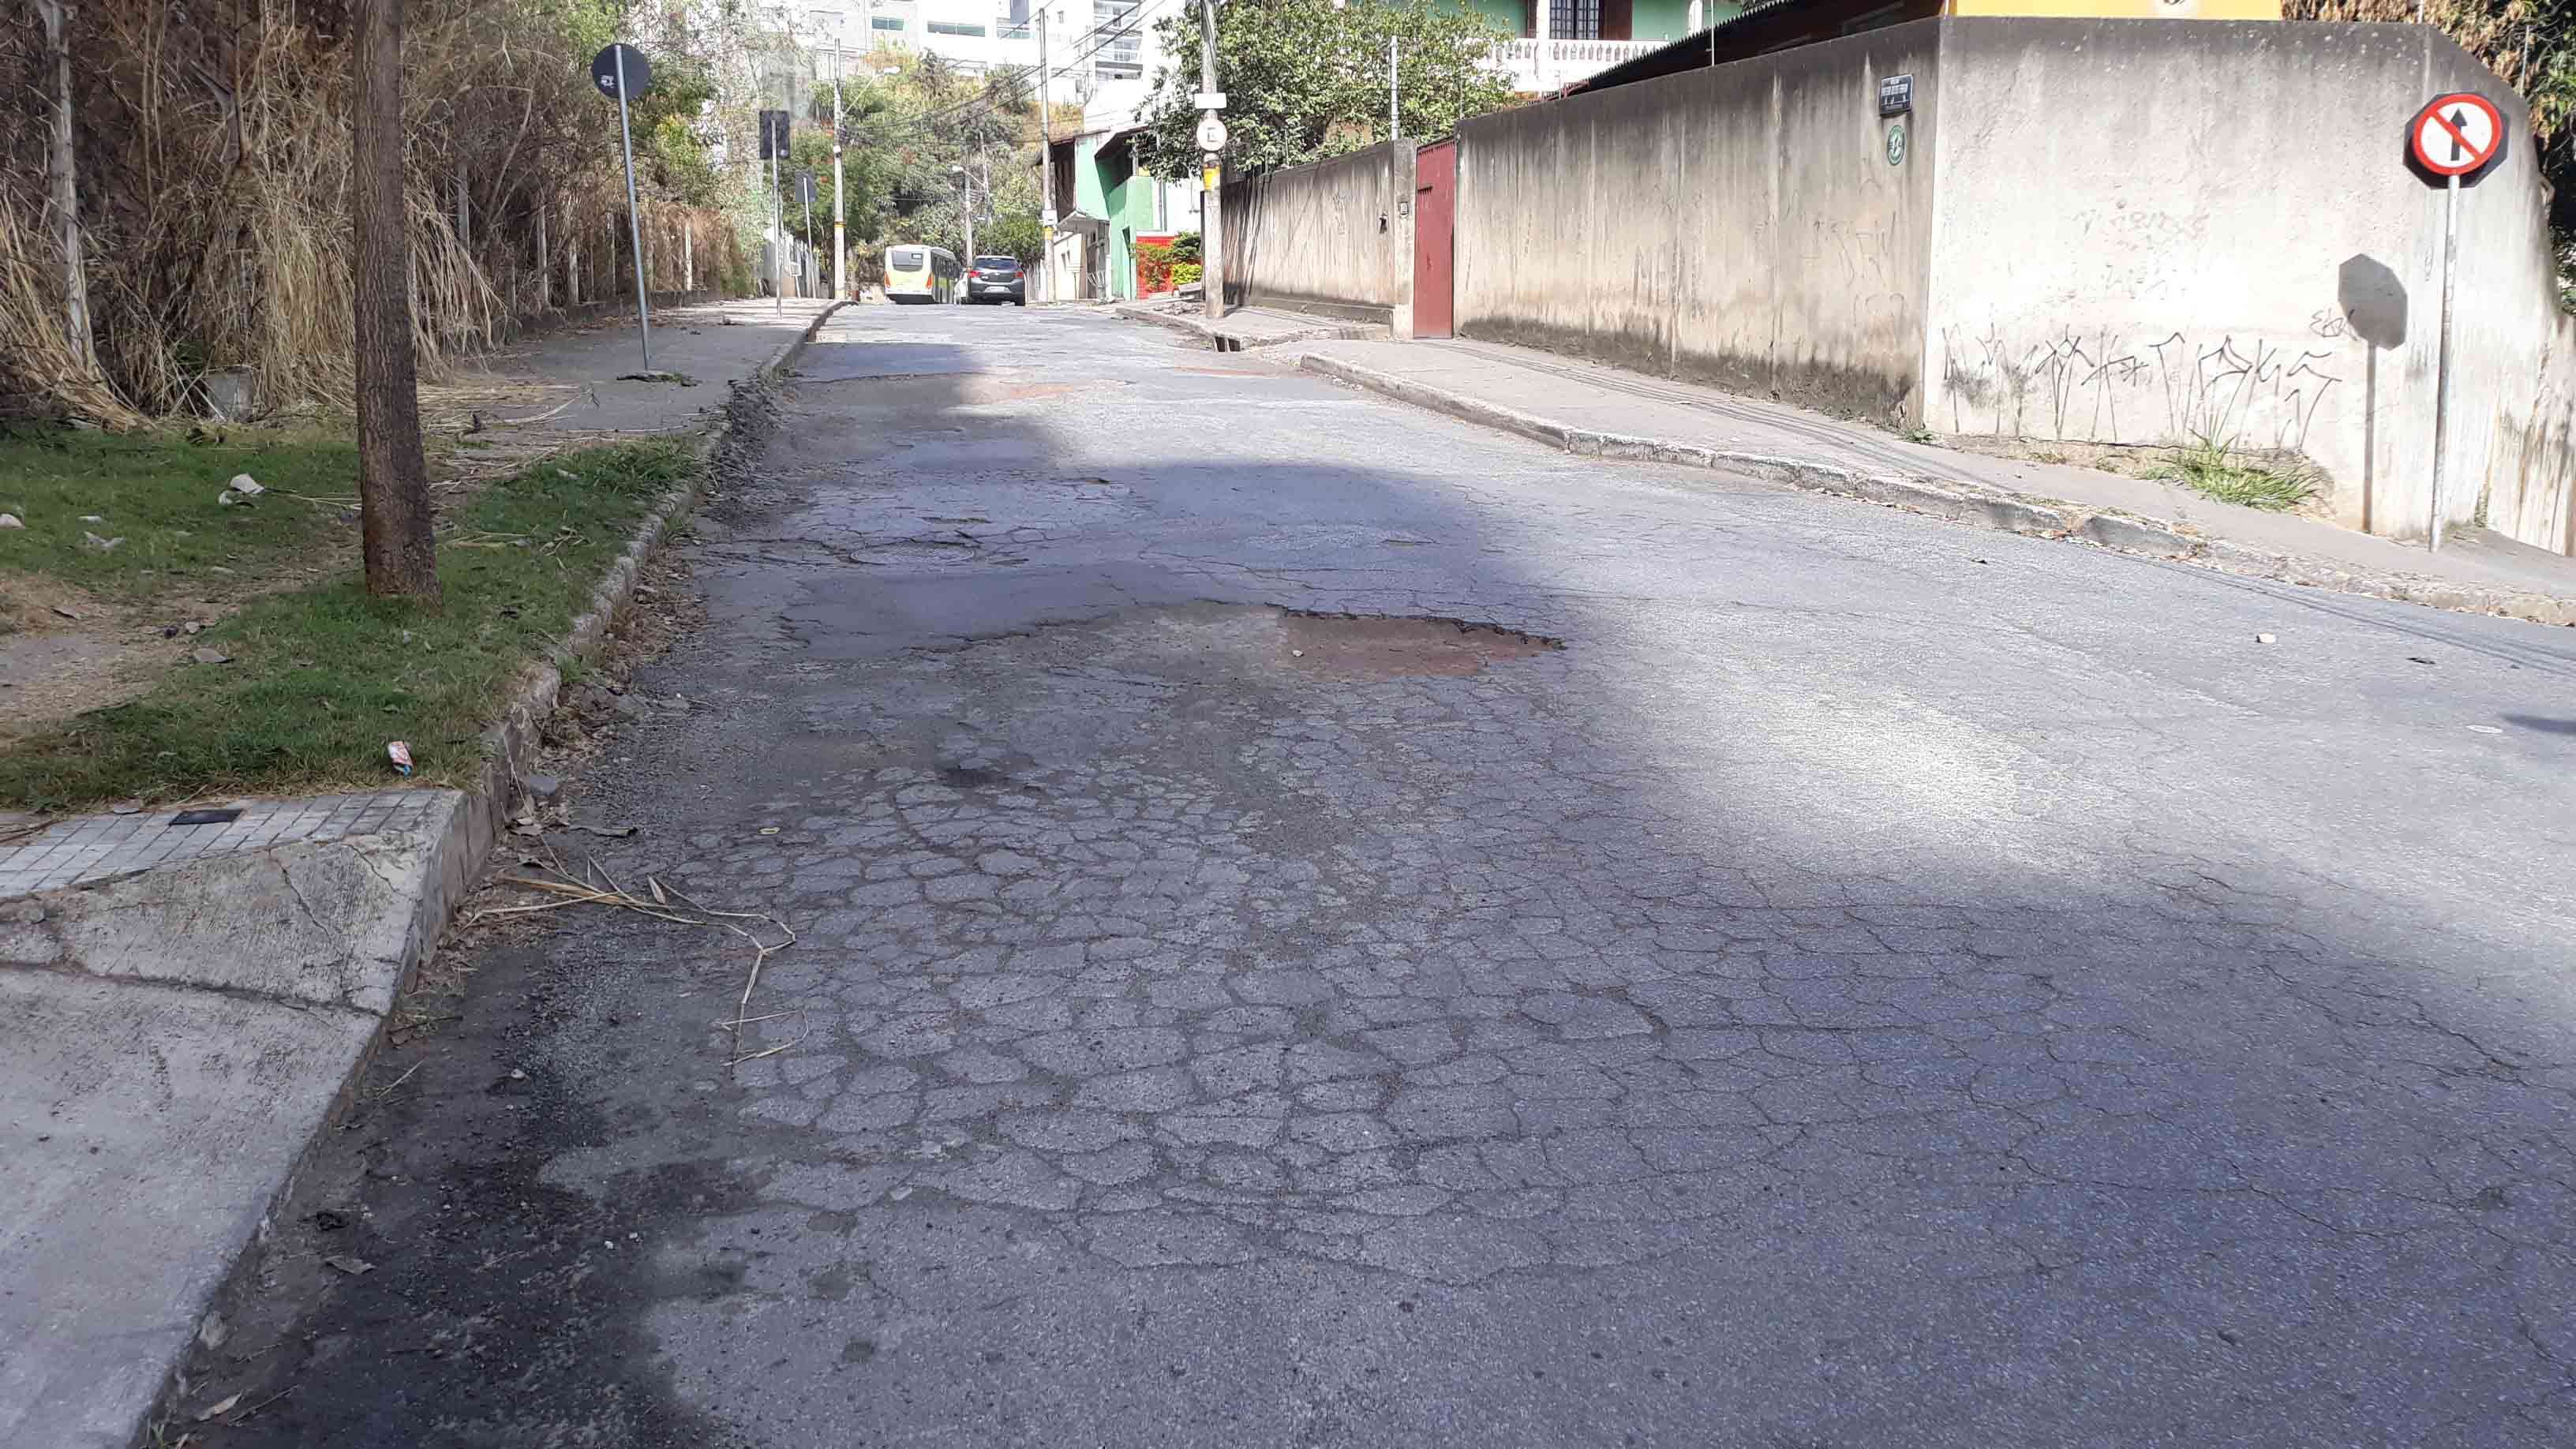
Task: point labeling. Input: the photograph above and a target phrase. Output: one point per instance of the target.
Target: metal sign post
(621, 71)
(2454, 136)
(2442, 368)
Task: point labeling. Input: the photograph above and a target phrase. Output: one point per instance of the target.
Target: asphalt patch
(1385, 646)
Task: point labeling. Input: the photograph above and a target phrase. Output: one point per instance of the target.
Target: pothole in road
(917, 552)
(1107, 675)
(1391, 646)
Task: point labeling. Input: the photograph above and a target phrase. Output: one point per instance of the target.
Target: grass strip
(152, 493)
(320, 678)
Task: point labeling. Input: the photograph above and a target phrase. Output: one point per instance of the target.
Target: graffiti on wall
(2108, 390)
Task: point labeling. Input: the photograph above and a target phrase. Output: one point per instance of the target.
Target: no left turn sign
(2457, 134)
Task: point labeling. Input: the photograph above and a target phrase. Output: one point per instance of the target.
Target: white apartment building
(1102, 54)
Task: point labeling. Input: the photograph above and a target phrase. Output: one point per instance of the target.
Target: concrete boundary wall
(2230, 247)
(1739, 226)
(2106, 232)
(1334, 237)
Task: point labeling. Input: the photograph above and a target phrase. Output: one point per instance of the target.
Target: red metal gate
(1435, 209)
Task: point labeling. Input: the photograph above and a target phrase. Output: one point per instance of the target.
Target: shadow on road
(1852, 992)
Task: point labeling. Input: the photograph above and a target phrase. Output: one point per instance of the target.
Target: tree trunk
(62, 174)
(393, 477)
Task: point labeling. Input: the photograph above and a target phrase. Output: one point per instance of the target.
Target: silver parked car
(997, 279)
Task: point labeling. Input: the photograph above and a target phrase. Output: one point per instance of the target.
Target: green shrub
(2213, 470)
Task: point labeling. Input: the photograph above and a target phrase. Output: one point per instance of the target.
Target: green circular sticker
(1896, 143)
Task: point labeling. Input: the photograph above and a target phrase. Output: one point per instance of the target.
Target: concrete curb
(1973, 504)
(1221, 340)
(511, 743)
(456, 853)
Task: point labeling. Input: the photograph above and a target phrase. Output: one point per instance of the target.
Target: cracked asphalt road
(1877, 983)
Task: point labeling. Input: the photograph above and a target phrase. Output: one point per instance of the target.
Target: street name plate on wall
(1895, 94)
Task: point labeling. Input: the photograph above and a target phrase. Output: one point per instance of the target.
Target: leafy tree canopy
(1305, 81)
(923, 143)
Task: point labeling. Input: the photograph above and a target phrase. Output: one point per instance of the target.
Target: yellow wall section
(2125, 9)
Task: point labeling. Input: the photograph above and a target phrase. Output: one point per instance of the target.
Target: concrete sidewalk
(1246, 328)
(575, 379)
(1603, 411)
(184, 1001)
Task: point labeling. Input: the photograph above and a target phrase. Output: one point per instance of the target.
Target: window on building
(1121, 39)
(886, 22)
(1014, 21)
(955, 27)
(1574, 19)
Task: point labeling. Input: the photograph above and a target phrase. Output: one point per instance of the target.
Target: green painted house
(1107, 206)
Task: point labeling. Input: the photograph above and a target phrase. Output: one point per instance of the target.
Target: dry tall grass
(214, 159)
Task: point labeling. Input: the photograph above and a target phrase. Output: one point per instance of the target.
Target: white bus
(921, 274)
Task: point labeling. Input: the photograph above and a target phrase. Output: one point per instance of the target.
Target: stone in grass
(211, 655)
(11, 520)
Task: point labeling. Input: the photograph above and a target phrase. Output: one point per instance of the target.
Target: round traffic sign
(1211, 133)
(2457, 133)
(603, 71)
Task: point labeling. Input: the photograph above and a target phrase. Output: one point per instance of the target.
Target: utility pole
(840, 207)
(966, 208)
(393, 478)
(805, 193)
(785, 127)
(1394, 115)
(63, 190)
(1046, 169)
(1211, 213)
(840, 212)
